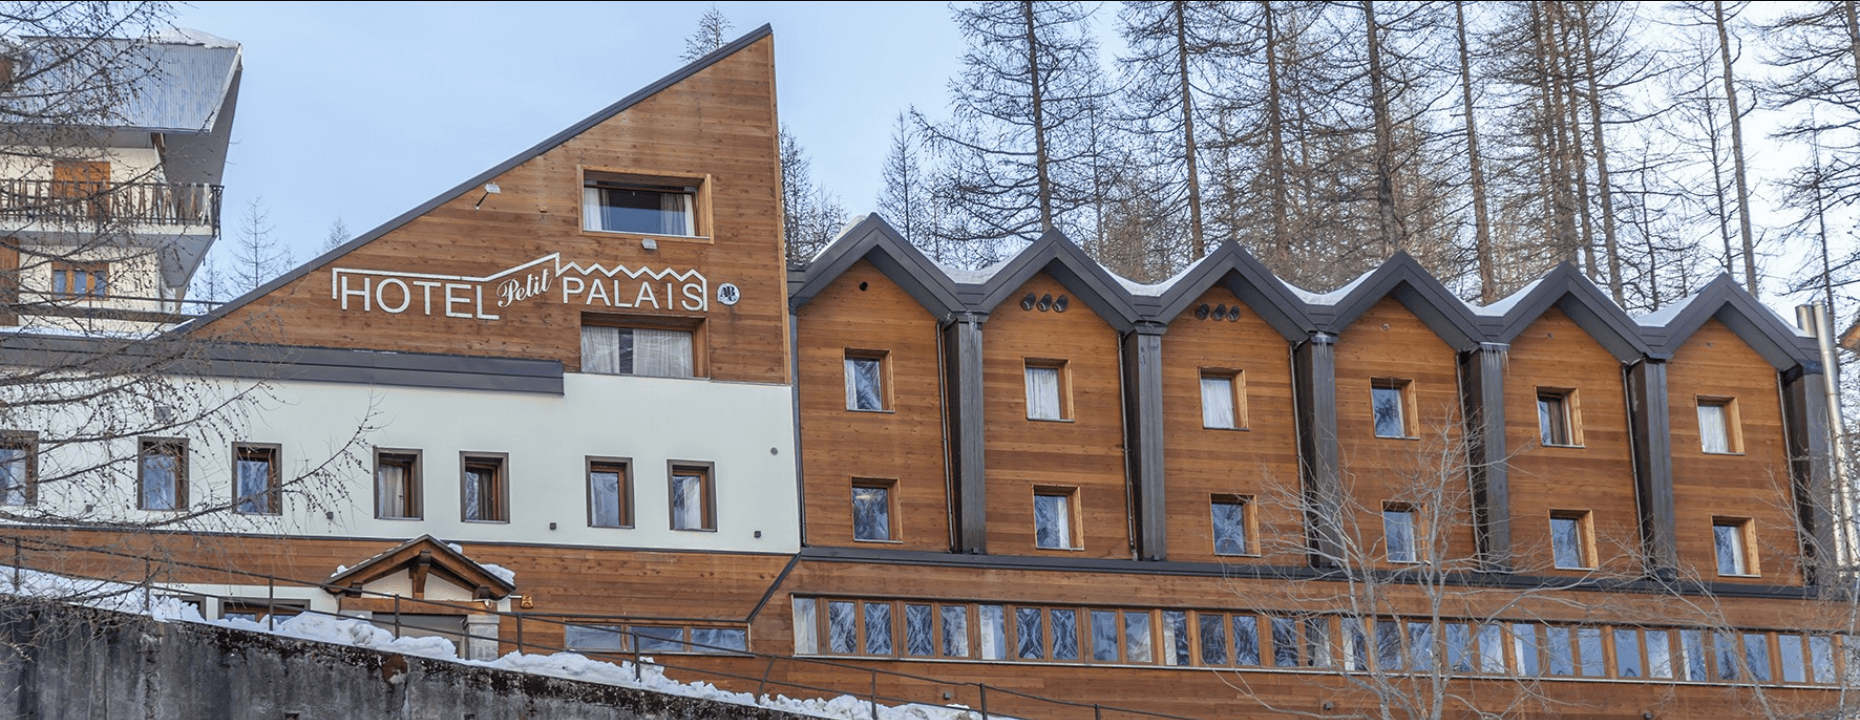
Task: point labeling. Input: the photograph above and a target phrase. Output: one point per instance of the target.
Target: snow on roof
(1328, 298)
(1666, 314)
(1155, 289)
(1499, 308)
(190, 36)
(965, 276)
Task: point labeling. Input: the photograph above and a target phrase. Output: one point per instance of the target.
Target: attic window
(631, 204)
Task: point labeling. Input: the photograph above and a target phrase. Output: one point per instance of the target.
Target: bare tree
(712, 32)
(811, 217)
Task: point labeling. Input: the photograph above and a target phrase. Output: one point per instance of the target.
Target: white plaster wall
(745, 431)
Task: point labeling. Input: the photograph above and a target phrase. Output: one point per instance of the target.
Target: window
(1398, 532)
(596, 638)
(1556, 418)
(1223, 400)
(1718, 426)
(162, 474)
(257, 489)
(483, 490)
(80, 280)
(1046, 390)
(1732, 541)
(397, 484)
(19, 459)
(620, 203)
(655, 352)
(1233, 524)
(1571, 543)
(874, 518)
(610, 493)
(692, 498)
(1053, 513)
(1389, 400)
(866, 381)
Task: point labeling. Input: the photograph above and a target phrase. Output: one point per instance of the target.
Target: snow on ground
(315, 627)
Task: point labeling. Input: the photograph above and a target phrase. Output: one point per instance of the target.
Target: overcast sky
(362, 111)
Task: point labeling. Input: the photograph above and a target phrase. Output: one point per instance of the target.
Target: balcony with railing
(130, 204)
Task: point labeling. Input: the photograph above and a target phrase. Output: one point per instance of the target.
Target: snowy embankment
(363, 634)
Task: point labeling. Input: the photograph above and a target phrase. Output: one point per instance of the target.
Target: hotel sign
(482, 298)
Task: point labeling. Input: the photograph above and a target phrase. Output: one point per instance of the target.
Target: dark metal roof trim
(1058, 256)
(1567, 289)
(597, 118)
(1233, 267)
(876, 241)
(1403, 277)
(1755, 324)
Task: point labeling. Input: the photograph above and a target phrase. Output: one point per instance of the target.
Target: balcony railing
(78, 201)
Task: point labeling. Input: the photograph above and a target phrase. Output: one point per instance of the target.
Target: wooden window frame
(27, 442)
(177, 447)
(91, 271)
(707, 472)
(1746, 534)
(1236, 386)
(700, 339)
(416, 496)
(1405, 395)
(1249, 524)
(893, 530)
(499, 465)
(624, 466)
(1585, 539)
(697, 186)
(274, 485)
(1416, 530)
(1075, 535)
(1063, 376)
(1733, 424)
(1567, 411)
(883, 358)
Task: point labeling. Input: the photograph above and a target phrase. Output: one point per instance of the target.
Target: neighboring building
(588, 365)
(110, 195)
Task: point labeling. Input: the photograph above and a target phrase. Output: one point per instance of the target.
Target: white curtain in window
(1712, 429)
(390, 491)
(661, 353)
(862, 384)
(591, 208)
(12, 476)
(606, 491)
(1217, 402)
(675, 214)
(687, 502)
(1043, 393)
(254, 482)
(600, 349)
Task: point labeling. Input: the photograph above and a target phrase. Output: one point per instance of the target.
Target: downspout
(1813, 319)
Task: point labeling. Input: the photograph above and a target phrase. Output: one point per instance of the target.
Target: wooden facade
(1188, 498)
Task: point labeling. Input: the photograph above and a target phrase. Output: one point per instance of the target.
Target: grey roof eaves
(561, 137)
(874, 240)
(1759, 328)
(1243, 275)
(1566, 289)
(1066, 262)
(1411, 285)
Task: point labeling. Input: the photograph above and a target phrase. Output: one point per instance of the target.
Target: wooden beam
(1651, 425)
(1143, 438)
(1482, 398)
(1314, 380)
(962, 367)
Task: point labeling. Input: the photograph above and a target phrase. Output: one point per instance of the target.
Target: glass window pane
(1229, 528)
(1052, 520)
(1318, 651)
(806, 627)
(1659, 654)
(1043, 393)
(1725, 653)
(597, 638)
(1030, 634)
(719, 640)
(1627, 654)
(1557, 650)
(1566, 542)
(1284, 641)
(1525, 646)
(1398, 532)
(1757, 656)
(662, 353)
(659, 639)
(919, 630)
(1065, 634)
(1458, 639)
(1728, 542)
(1692, 646)
(1712, 428)
(1137, 638)
(864, 388)
(955, 631)
(688, 502)
(871, 513)
(1388, 412)
(1821, 658)
(1175, 638)
(1213, 638)
(254, 483)
(842, 627)
(160, 469)
(994, 632)
(1355, 645)
(1794, 666)
(1246, 640)
(1491, 650)
(13, 476)
(604, 491)
(877, 628)
(600, 350)
(1217, 402)
(1104, 636)
(1388, 646)
(1421, 646)
(1589, 652)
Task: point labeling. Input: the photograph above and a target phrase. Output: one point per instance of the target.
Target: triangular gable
(1056, 255)
(1410, 284)
(1752, 322)
(1232, 267)
(424, 557)
(1566, 289)
(875, 241)
(476, 184)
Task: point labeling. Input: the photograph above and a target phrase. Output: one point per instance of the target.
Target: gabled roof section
(1403, 278)
(1232, 267)
(1566, 289)
(424, 556)
(875, 241)
(478, 181)
(1058, 256)
(1754, 323)
(177, 81)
